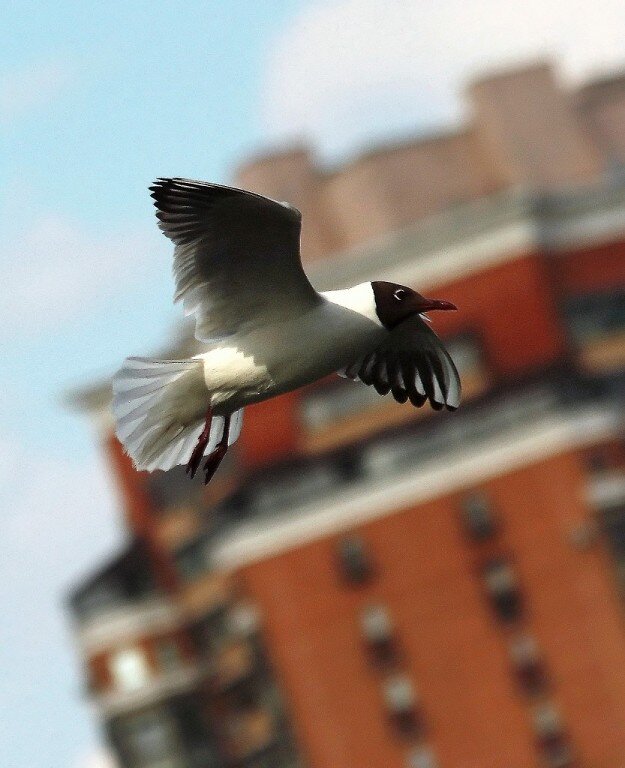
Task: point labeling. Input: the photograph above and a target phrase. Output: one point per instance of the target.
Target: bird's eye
(400, 294)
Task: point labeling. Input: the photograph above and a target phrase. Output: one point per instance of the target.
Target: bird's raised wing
(414, 365)
(236, 260)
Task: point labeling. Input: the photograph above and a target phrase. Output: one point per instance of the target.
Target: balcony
(606, 490)
(408, 468)
(123, 625)
(157, 687)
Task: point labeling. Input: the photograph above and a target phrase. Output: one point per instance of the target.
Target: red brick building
(366, 584)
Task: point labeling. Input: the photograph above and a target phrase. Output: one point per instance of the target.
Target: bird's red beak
(429, 304)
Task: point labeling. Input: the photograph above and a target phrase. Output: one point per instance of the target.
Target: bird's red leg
(202, 442)
(214, 459)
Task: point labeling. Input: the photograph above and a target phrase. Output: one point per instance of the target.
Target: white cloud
(348, 70)
(57, 270)
(58, 520)
(28, 87)
(51, 497)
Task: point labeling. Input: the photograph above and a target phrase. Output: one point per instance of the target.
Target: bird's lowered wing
(414, 365)
(236, 260)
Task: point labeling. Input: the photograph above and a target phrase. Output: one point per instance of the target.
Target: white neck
(359, 299)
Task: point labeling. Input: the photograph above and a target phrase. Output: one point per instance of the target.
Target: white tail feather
(160, 408)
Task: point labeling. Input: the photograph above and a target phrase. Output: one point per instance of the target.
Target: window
(503, 589)
(596, 315)
(547, 721)
(129, 669)
(329, 405)
(377, 626)
(250, 733)
(528, 663)
(243, 620)
(195, 729)
(422, 757)
(478, 517)
(551, 737)
(598, 461)
(168, 655)
(467, 353)
(401, 702)
(377, 630)
(212, 630)
(612, 522)
(192, 560)
(597, 325)
(399, 694)
(397, 453)
(234, 664)
(296, 488)
(124, 580)
(354, 560)
(151, 739)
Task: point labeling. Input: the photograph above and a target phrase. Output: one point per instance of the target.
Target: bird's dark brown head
(395, 303)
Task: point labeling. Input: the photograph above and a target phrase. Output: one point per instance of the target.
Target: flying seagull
(267, 331)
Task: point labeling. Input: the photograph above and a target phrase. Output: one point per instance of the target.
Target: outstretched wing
(236, 261)
(414, 365)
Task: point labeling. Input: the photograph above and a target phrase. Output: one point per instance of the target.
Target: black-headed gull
(267, 331)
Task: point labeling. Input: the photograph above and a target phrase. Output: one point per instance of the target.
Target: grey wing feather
(414, 365)
(236, 257)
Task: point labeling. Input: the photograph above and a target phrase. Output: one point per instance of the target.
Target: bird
(266, 330)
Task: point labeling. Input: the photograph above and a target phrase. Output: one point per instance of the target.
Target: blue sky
(96, 100)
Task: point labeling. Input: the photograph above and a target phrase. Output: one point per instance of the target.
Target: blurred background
(363, 583)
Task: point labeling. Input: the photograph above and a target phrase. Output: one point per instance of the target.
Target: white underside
(160, 406)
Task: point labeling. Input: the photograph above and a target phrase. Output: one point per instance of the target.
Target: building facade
(367, 584)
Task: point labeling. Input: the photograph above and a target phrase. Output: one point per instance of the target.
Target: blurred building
(367, 584)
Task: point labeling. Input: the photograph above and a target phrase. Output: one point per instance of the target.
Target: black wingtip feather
(366, 370)
(427, 377)
(416, 398)
(400, 395)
